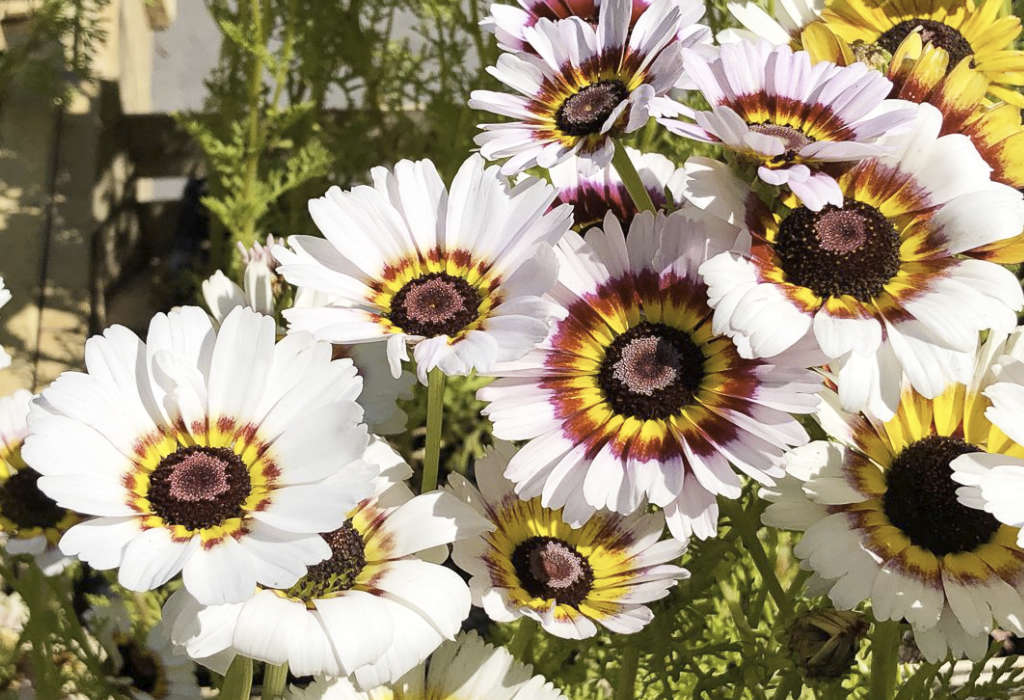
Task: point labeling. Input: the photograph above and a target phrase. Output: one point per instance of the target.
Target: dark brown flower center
(552, 568)
(435, 304)
(586, 111)
(651, 371)
(25, 505)
(853, 250)
(794, 139)
(199, 487)
(920, 498)
(337, 573)
(932, 32)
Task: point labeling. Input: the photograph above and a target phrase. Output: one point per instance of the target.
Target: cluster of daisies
(658, 334)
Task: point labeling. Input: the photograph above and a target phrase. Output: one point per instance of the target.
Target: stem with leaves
(252, 161)
(747, 527)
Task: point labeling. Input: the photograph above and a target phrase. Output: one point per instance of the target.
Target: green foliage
(308, 94)
(61, 657)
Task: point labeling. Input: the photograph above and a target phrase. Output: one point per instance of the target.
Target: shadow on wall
(104, 256)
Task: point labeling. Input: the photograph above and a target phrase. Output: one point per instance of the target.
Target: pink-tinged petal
(816, 190)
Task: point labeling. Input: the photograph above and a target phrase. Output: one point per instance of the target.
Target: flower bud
(823, 643)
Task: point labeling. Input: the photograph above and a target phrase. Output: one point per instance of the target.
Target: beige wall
(91, 177)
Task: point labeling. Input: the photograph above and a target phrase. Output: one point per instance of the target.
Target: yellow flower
(926, 73)
(960, 27)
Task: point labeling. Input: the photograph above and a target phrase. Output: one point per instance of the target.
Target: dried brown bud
(823, 643)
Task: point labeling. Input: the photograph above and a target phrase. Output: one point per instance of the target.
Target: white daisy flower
(595, 192)
(582, 86)
(783, 26)
(633, 395)
(791, 127)
(885, 285)
(30, 522)
(222, 295)
(379, 605)
(993, 481)
(882, 522)
(381, 391)
(534, 564)
(457, 275)
(509, 23)
(216, 454)
(466, 669)
(5, 296)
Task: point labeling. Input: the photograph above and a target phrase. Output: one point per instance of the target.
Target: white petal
(152, 558)
(100, 542)
(359, 626)
(223, 573)
(436, 593)
(426, 521)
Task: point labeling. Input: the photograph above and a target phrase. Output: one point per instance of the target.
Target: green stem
(435, 409)
(885, 645)
(521, 640)
(274, 680)
(238, 681)
(626, 685)
(631, 179)
(748, 533)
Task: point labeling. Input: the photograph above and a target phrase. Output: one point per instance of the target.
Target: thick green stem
(435, 410)
(885, 647)
(631, 179)
(274, 679)
(748, 533)
(626, 685)
(238, 681)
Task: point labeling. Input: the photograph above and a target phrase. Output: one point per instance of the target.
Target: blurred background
(141, 139)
